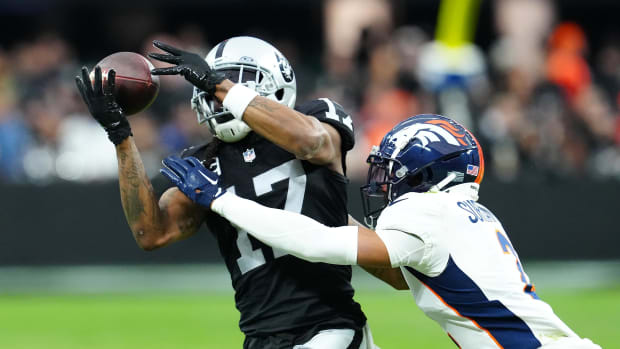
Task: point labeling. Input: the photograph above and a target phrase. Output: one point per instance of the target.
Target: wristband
(120, 132)
(237, 100)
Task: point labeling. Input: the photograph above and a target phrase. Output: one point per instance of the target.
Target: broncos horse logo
(433, 131)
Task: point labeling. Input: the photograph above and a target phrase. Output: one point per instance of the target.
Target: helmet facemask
(220, 121)
(383, 173)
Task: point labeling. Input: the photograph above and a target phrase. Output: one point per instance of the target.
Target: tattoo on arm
(130, 189)
(187, 226)
(188, 220)
(137, 195)
(264, 104)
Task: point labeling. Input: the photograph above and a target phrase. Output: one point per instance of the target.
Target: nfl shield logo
(472, 170)
(249, 155)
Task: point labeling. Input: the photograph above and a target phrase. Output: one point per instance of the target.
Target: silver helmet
(253, 63)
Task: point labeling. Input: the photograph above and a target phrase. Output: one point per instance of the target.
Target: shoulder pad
(194, 150)
(332, 113)
(419, 209)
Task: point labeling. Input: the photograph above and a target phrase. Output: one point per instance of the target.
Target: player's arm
(294, 233)
(391, 276)
(308, 239)
(153, 223)
(303, 135)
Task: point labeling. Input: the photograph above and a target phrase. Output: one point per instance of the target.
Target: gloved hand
(102, 104)
(193, 179)
(193, 67)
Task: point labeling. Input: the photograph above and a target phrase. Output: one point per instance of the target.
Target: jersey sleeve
(404, 249)
(332, 113)
(409, 228)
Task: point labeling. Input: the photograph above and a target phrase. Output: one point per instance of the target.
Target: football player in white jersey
(452, 252)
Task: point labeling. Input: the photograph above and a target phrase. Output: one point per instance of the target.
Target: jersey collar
(465, 189)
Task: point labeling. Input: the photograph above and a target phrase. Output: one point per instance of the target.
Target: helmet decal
(285, 68)
(450, 128)
(426, 133)
(246, 59)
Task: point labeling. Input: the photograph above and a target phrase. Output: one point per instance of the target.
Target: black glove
(102, 104)
(193, 67)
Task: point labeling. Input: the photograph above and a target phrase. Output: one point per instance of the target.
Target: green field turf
(209, 319)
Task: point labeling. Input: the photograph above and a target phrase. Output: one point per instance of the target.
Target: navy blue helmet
(418, 154)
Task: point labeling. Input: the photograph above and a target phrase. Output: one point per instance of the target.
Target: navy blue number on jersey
(508, 249)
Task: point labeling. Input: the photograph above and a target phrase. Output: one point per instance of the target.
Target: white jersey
(468, 277)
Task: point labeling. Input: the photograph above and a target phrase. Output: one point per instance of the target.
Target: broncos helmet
(253, 63)
(421, 153)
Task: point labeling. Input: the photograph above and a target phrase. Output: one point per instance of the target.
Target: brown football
(136, 88)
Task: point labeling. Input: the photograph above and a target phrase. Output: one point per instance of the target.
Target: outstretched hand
(190, 65)
(99, 97)
(193, 179)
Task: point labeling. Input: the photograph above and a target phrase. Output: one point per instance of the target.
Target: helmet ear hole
(414, 181)
(280, 94)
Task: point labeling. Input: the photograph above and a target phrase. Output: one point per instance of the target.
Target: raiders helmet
(253, 63)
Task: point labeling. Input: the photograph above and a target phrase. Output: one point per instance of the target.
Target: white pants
(338, 339)
(571, 343)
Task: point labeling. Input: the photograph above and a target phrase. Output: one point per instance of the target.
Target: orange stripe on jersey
(530, 290)
(459, 314)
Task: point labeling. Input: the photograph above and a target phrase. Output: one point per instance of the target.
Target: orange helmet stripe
(481, 156)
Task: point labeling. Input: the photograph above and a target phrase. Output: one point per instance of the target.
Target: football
(135, 88)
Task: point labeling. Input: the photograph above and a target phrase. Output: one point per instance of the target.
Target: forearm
(291, 130)
(139, 202)
(293, 233)
(391, 276)
(297, 133)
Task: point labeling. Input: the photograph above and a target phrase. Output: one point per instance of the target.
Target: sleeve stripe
(331, 109)
(332, 114)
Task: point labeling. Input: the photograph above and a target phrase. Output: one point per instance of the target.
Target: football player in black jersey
(265, 149)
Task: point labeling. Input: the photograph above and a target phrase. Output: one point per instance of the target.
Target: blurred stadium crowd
(542, 103)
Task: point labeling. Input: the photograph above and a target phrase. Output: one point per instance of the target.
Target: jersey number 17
(263, 183)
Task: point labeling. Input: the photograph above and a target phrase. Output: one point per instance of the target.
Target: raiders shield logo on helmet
(285, 68)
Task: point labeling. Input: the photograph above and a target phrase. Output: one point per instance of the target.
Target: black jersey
(276, 292)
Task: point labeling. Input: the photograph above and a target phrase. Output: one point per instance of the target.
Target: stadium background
(537, 81)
